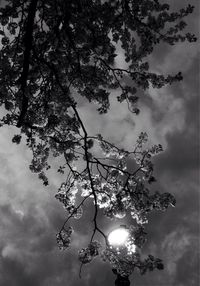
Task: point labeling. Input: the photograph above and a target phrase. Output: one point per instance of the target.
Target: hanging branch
(28, 41)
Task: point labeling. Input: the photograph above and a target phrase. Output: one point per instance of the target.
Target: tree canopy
(55, 52)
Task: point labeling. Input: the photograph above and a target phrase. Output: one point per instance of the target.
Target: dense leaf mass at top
(53, 53)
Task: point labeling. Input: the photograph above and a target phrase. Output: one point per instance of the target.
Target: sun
(118, 237)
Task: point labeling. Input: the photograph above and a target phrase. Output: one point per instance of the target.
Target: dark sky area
(30, 216)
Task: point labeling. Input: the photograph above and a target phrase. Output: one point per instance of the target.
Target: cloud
(179, 249)
(175, 245)
(182, 57)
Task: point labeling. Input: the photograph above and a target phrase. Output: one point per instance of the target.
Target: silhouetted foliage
(55, 52)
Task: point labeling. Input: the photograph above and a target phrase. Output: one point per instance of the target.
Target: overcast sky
(30, 216)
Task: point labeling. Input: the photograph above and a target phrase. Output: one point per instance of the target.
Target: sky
(30, 216)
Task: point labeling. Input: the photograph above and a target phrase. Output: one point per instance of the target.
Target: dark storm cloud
(30, 218)
(188, 268)
(13, 274)
(13, 266)
(174, 235)
(177, 171)
(182, 154)
(29, 254)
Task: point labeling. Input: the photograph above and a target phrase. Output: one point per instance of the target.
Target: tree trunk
(122, 281)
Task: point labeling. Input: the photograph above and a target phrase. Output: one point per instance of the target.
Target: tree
(52, 54)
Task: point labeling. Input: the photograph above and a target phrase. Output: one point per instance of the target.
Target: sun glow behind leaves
(118, 237)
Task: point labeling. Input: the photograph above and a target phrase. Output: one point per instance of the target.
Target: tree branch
(28, 40)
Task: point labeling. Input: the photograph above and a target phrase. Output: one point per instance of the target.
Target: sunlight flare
(118, 237)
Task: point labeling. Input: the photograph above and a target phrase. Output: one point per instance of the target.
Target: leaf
(5, 41)
(16, 139)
